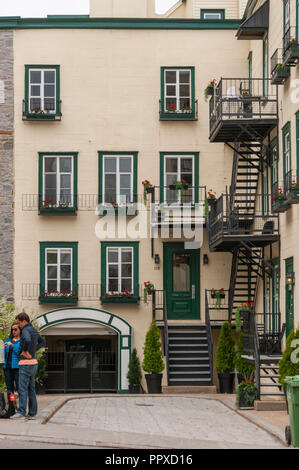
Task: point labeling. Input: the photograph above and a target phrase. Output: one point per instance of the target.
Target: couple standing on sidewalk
(30, 342)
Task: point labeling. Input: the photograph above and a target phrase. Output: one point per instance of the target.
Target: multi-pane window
(178, 168)
(58, 180)
(58, 270)
(177, 90)
(117, 179)
(212, 14)
(286, 16)
(119, 276)
(287, 149)
(42, 90)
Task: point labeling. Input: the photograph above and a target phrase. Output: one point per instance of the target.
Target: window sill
(58, 300)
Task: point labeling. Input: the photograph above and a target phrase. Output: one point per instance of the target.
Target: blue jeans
(27, 390)
(11, 379)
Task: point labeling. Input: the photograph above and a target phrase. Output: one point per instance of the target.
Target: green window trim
(196, 172)
(286, 18)
(178, 116)
(57, 210)
(221, 11)
(59, 300)
(26, 110)
(287, 165)
(119, 300)
(101, 155)
(265, 190)
(297, 141)
(266, 65)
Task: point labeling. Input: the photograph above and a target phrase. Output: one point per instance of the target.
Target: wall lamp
(157, 259)
(205, 259)
(290, 279)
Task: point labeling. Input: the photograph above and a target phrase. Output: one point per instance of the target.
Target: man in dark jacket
(30, 342)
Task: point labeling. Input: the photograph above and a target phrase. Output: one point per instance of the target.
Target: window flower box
(279, 205)
(291, 54)
(61, 208)
(119, 298)
(118, 209)
(280, 74)
(69, 298)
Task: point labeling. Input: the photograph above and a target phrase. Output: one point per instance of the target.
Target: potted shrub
(146, 186)
(179, 186)
(134, 373)
(211, 198)
(246, 393)
(41, 374)
(225, 360)
(287, 365)
(153, 360)
(244, 368)
(279, 201)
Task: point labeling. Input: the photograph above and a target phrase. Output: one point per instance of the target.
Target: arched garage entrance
(90, 345)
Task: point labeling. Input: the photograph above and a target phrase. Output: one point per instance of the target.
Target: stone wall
(6, 164)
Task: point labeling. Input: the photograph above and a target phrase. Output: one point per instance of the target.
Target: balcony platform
(243, 110)
(228, 242)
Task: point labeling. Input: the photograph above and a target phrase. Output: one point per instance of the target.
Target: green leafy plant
(210, 87)
(243, 367)
(247, 392)
(225, 360)
(287, 366)
(41, 374)
(218, 295)
(153, 359)
(146, 185)
(134, 372)
(180, 185)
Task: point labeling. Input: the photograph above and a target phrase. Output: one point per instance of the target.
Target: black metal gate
(84, 366)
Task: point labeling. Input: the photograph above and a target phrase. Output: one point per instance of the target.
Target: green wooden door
(289, 298)
(182, 281)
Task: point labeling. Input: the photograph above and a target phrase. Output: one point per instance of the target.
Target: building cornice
(85, 22)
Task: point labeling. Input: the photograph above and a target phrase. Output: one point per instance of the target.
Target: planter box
(132, 212)
(210, 90)
(279, 205)
(57, 211)
(214, 296)
(243, 402)
(120, 300)
(172, 187)
(134, 389)
(291, 55)
(178, 116)
(226, 382)
(41, 117)
(293, 197)
(58, 300)
(154, 383)
(279, 76)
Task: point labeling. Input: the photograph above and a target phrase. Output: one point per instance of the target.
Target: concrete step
(183, 389)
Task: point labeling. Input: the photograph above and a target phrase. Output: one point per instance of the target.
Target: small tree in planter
(225, 361)
(244, 369)
(134, 373)
(153, 360)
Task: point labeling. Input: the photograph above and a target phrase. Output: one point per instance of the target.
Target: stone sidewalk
(147, 421)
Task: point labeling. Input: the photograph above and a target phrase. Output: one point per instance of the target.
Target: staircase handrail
(166, 345)
(209, 333)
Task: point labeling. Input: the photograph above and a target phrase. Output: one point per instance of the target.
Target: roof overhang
(256, 25)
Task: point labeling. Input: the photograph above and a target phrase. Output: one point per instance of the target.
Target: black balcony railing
(279, 72)
(243, 216)
(265, 329)
(241, 100)
(217, 303)
(34, 111)
(290, 47)
(170, 206)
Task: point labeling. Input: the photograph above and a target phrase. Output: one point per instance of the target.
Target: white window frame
(177, 84)
(119, 249)
(212, 16)
(287, 152)
(58, 173)
(58, 264)
(118, 173)
(178, 176)
(42, 89)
